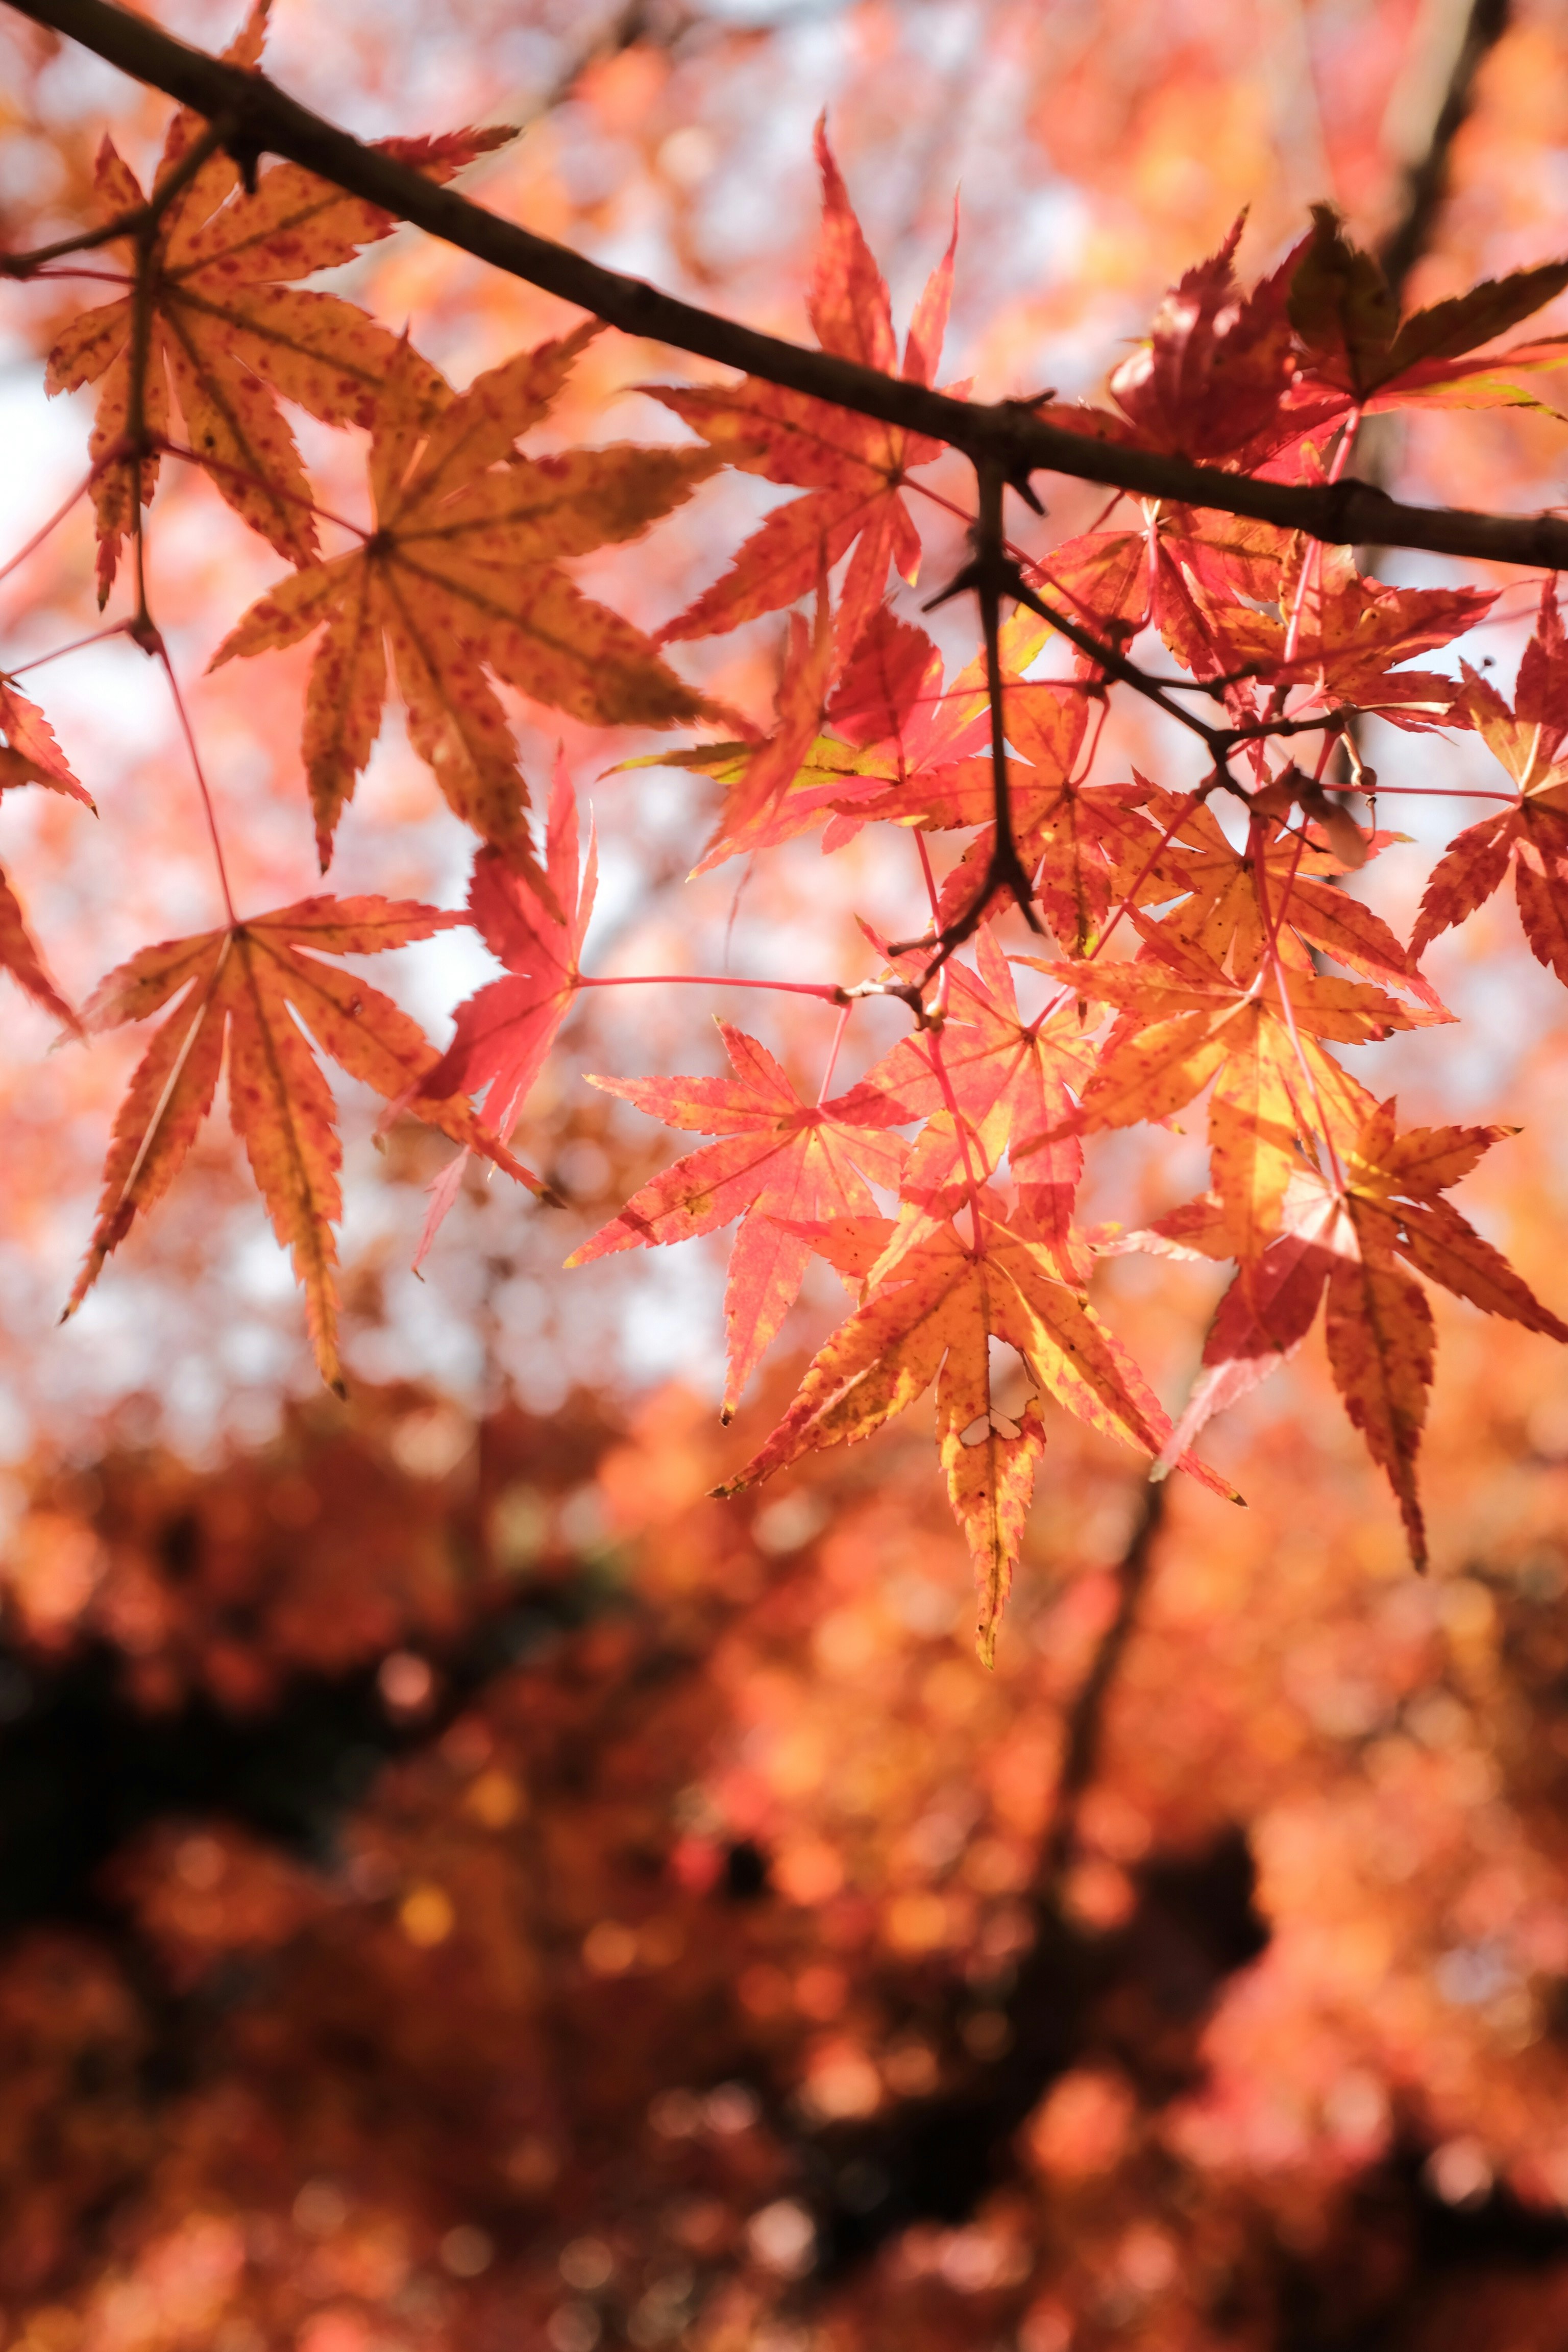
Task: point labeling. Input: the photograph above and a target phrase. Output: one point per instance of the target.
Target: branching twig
(991, 573)
(1117, 665)
(264, 119)
(138, 222)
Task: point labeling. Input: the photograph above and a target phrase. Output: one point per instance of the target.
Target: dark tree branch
(1005, 435)
(1084, 1732)
(1116, 665)
(1427, 178)
(993, 577)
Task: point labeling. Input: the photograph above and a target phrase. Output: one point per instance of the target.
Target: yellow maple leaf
(228, 328)
(251, 983)
(462, 574)
(935, 1320)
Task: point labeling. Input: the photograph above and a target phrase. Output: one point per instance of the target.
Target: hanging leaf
(227, 330)
(256, 987)
(851, 467)
(462, 574)
(784, 1163)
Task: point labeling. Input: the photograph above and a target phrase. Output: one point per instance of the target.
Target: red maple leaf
(1012, 1083)
(851, 467)
(1532, 835)
(504, 1031)
(1344, 1235)
(781, 1163)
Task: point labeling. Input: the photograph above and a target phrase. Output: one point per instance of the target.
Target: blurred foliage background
(460, 1887)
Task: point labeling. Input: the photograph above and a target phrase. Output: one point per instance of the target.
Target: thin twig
(839, 1026)
(98, 637)
(825, 990)
(161, 652)
(1117, 665)
(55, 521)
(133, 224)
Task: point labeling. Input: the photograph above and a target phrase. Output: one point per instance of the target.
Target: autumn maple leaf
(19, 956)
(230, 331)
(253, 984)
(1244, 379)
(916, 752)
(1216, 379)
(934, 1320)
(1357, 348)
(851, 467)
(1235, 905)
(30, 755)
(892, 725)
(781, 1162)
(1532, 835)
(505, 1030)
(462, 574)
(763, 778)
(922, 747)
(905, 749)
(1209, 381)
(1343, 1234)
(1012, 1082)
(1185, 1022)
(1341, 640)
(1083, 844)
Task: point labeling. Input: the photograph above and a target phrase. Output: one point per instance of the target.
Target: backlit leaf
(462, 576)
(263, 988)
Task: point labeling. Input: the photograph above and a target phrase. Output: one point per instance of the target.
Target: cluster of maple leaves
(961, 1233)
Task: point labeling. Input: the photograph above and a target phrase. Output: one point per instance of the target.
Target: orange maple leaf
(229, 330)
(1344, 1234)
(1081, 844)
(934, 1320)
(851, 467)
(253, 985)
(1531, 836)
(1232, 904)
(1184, 1021)
(781, 1162)
(462, 574)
